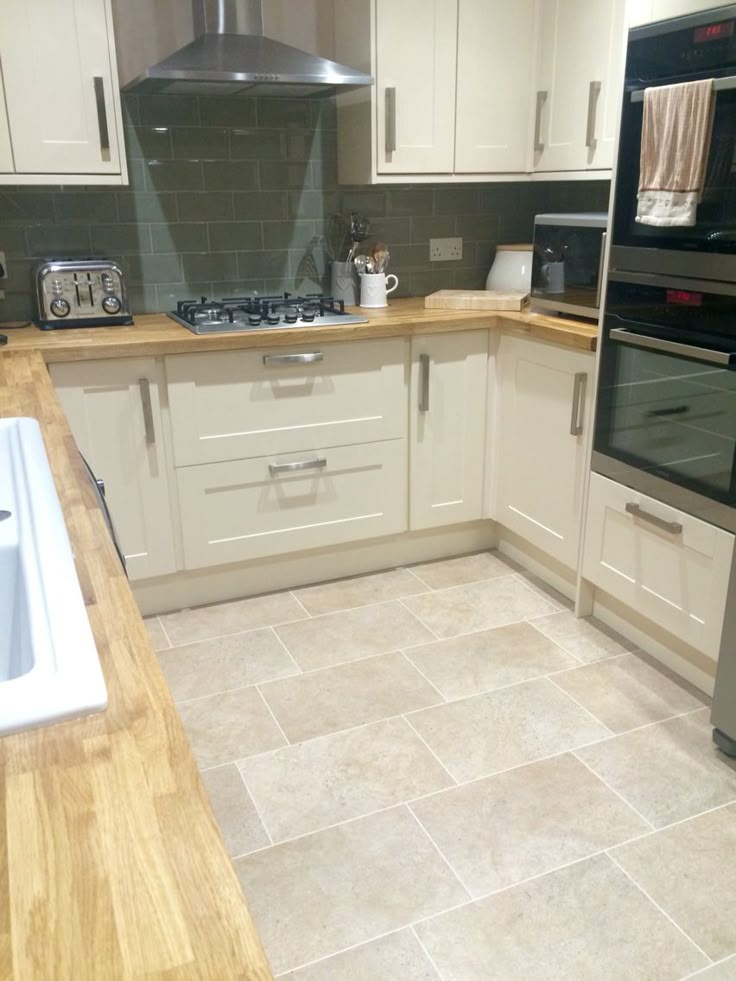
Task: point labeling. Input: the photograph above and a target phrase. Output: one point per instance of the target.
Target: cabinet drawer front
(676, 578)
(237, 404)
(246, 509)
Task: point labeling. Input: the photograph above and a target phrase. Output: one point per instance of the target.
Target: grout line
(429, 748)
(702, 970)
(439, 851)
(419, 671)
(580, 705)
(558, 607)
(427, 954)
(584, 664)
(163, 630)
(270, 712)
(288, 654)
(559, 643)
(649, 725)
(295, 597)
(419, 619)
(230, 691)
(257, 810)
(234, 633)
(621, 797)
(664, 912)
(668, 827)
(427, 587)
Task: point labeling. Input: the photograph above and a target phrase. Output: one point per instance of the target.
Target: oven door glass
(666, 408)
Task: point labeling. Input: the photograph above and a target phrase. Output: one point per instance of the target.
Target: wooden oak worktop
(157, 334)
(111, 863)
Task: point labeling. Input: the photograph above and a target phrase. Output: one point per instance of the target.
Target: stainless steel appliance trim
(718, 266)
(719, 85)
(559, 306)
(390, 119)
(673, 527)
(144, 387)
(623, 336)
(682, 23)
(594, 90)
(578, 393)
(541, 99)
(424, 363)
(309, 358)
(601, 269)
(102, 116)
(585, 219)
(713, 512)
(317, 464)
(672, 282)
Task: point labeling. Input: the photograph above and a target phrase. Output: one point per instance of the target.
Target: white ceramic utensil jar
(511, 269)
(374, 289)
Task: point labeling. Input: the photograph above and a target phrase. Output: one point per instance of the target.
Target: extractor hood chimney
(230, 56)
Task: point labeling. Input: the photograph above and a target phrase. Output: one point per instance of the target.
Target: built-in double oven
(666, 407)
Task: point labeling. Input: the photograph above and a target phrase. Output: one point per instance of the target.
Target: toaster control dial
(111, 304)
(60, 307)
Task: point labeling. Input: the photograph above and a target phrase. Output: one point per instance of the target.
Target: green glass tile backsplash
(233, 195)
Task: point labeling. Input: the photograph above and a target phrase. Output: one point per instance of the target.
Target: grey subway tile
(235, 236)
(219, 111)
(432, 226)
(179, 237)
(146, 206)
(212, 206)
(85, 206)
(163, 267)
(288, 234)
(263, 265)
(283, 112)
(256, 144)
(148, 141)
(200, 142)
(25, 206)
(281, 175)
(449, 200)
(410, 201)
(174, 175)
(255, 205)
(169, 110)
(215, 266)
(313, 204)
(119, 239)
(230, 175)
(44, 239)
(371, 202)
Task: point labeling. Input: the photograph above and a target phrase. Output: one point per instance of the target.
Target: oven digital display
(685, 298)
(713, 32)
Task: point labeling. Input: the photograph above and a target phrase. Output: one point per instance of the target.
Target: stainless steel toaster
(80, 293)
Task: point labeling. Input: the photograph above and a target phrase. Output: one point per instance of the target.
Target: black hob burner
(239, 313)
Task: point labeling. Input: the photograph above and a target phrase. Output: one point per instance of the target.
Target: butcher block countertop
(111, 863)
(157, 334)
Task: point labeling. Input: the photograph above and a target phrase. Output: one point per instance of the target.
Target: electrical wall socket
(445, 249)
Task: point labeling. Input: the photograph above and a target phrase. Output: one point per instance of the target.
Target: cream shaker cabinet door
(447, 428)
(575, 52)
(416, 57)
(6, 151)
(545, 396)
(59, 88)
(494, 85)
(114, 412)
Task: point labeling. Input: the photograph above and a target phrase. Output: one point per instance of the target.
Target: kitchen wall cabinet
(664, 564)
(544, 406)
(61, 93)
(6, 151)
(114, 411)
(447, 397)
(580, 60)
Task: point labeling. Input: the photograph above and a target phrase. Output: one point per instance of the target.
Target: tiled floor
(439, 774)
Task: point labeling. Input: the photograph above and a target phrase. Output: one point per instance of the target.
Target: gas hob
(242, 313)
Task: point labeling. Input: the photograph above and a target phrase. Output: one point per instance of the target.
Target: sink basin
(49, 667)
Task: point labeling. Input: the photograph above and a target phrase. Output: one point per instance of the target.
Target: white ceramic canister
(511, 269)
(374, 288)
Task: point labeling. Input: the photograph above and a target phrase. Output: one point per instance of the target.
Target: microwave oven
(567, 263)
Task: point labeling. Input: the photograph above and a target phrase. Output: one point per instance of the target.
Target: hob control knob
(60, 307)
(111, 304)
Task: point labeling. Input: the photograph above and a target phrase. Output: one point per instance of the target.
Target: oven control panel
(80, 293)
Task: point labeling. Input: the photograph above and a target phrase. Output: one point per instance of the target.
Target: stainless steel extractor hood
(230, 56)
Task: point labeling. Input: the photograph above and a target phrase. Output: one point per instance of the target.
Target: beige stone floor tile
(228, 727)
(348, 695)
(585, 637)
(236, 815)
(489, 659)
(549, 592)
(628, 691)
(586, 922)
(156, 633)
(480, 606)
(205, 622)
(224, 663)
(343, 886)
(347, 594)
(483, 734)
(462, 570)
(723, 971)
(689, 871)
(515, 825)
(668, 771)
(347, 635)
(397, 957)
(325, 781)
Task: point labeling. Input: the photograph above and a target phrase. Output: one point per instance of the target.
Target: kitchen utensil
(336, 237)
(359, 227)
(344, 285)
(511, 268)
(374, 289)
(476, 300)
(80, 293)
(361, 264)
(381, 256)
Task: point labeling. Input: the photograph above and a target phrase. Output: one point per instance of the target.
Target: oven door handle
(719, 85)
(623, 336)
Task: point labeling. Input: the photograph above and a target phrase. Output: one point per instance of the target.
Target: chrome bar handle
(390, 120)
(594, 90)
(144, 386)
(541, 99)
(318, 464)
(308, 358)
(672, 527)
(623, 336)
(424, 363)
(601, 270)
(578, 391)
(102, 117)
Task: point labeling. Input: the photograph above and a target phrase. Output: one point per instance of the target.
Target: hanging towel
(675, 140)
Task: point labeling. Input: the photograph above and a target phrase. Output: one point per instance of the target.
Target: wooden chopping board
(476, 300)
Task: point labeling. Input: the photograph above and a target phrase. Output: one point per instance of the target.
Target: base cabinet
(114, 411)
(544, 405)
(666, 565)
(447, 428)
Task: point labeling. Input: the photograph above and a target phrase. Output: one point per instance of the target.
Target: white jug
(374, 289)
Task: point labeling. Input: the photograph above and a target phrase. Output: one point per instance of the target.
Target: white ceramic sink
(49, 667)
